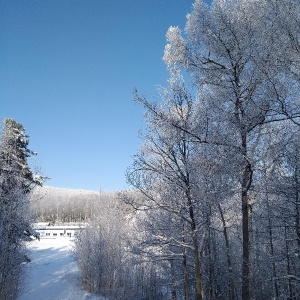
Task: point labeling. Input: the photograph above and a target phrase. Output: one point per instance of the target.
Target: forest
(219, 216)
(213, 211)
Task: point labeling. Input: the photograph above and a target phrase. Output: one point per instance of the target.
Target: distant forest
(51, 204)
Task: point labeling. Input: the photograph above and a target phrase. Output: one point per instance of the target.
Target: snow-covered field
(52, 274)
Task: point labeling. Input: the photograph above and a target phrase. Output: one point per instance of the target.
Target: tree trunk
(173, 291)
(288, 265)
(246, 183)
(198, 280)
(199, 291)
(185, 272)
(272, 250)
(231, 286)
(297, 202)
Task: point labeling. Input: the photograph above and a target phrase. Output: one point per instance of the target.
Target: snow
(52, 273)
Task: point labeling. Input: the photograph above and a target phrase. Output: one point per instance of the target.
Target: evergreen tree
(16, 181)
(14, 153)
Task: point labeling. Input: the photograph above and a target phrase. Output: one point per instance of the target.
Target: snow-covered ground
(52, 273)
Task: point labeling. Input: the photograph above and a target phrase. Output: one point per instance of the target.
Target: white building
(46, 231)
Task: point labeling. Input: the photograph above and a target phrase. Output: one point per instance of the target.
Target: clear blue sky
(67, 71)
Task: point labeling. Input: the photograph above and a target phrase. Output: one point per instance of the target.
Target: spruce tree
(14, 153)
(16, 181)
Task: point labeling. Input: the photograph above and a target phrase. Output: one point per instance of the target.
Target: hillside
(52, 204)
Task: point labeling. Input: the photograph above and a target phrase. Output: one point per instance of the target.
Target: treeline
(219, 169)
(53, 205)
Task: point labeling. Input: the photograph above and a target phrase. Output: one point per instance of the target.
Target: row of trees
(228, 143)
(218, 211)
(16, 182)
(220, 162)
(56, 205)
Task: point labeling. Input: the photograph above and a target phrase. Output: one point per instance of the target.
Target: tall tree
(225, 53)
(164, 170)
(14, 154)
(16, 181)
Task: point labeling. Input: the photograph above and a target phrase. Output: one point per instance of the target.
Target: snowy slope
(52, 274)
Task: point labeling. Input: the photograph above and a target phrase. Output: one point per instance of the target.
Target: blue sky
(68, 68)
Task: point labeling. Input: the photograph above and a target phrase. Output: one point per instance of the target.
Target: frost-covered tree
(107, 262)
(164, 170)
(14, 155)
(283, 184)
(228, 52)
(16, 181)
(52, 204)
(218, 170)
(186, 179)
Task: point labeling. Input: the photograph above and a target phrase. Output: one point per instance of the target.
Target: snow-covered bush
(108, 264)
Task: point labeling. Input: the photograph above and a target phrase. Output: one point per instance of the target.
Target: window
(69, 233)
(54, 234)
(61, 234)
(47, 233)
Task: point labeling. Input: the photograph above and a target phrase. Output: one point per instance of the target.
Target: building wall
(58, 231)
